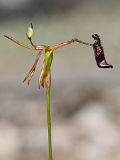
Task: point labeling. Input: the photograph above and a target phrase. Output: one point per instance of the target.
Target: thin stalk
(49, 122)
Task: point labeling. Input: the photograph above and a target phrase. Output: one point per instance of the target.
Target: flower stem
(49, 122)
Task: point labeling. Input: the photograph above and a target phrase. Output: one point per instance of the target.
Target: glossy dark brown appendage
(99, 53)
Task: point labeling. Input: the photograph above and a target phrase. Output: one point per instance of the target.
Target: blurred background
(85, 102)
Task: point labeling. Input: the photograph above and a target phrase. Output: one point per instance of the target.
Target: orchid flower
(98, 51)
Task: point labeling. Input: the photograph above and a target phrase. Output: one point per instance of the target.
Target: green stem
(49, 123)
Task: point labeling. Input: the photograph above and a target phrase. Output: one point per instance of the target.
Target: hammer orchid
(45, 75)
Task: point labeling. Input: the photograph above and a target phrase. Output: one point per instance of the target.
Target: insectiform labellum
(99, 53)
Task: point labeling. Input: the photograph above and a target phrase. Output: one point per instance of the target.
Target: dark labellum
(99, 53)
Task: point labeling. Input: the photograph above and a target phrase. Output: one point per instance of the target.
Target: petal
(32, 70)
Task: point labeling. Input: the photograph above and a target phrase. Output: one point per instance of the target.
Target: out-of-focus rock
(9, 141)
(100, 136)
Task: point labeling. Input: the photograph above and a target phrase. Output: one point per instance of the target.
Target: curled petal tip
(43, 85)
(39, 86)
(24, 79)
(5, 36)
(28, 83)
